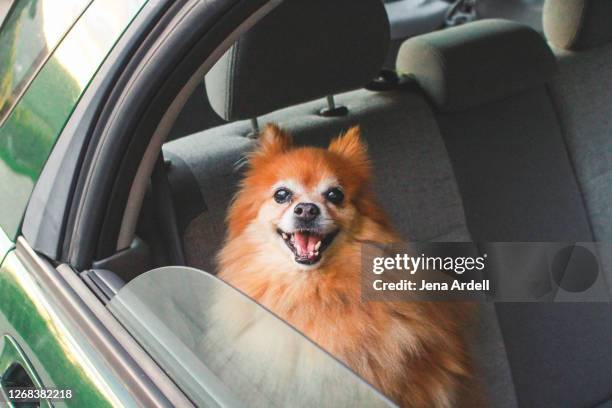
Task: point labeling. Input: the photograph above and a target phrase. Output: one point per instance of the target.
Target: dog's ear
(273, 140)
(351, 147)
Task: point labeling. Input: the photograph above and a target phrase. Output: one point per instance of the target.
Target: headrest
(302, 50)
(463, 67)
(578, 24)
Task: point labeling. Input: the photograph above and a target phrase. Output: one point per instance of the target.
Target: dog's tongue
(305, 242)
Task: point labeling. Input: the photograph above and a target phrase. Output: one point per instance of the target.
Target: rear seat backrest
(487, 82)
(581, 34)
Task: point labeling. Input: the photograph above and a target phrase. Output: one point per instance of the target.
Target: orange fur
(414, 352)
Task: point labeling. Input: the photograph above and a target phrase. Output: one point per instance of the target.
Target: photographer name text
(422, 285)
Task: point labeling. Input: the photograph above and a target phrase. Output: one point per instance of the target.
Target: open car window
(223, 349)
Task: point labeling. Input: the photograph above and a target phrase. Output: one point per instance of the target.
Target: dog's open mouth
(307, 246)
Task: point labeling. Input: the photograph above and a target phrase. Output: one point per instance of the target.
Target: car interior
(488, 131)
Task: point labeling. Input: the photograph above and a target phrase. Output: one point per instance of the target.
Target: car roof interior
(492, 131)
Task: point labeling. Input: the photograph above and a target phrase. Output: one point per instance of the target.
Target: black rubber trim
(129, 262)
(105, 284)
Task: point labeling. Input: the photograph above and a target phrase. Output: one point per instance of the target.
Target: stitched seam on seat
(570, 156)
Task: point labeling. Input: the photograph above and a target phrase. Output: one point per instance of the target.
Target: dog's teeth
(292, 238)
(285, 236)
(316, 253)
(318, 246)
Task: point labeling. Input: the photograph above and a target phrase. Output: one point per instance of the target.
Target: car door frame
(128, 375)
(139, 114)
(139, 90)
(85, 163)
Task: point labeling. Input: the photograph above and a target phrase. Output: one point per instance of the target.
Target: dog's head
(299, 203)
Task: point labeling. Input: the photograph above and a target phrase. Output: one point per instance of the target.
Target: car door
(49, 342)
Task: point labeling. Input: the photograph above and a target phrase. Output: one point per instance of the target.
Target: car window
(30, 32)
(223, 349)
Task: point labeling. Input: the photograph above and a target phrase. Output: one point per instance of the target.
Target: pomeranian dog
(295, 233)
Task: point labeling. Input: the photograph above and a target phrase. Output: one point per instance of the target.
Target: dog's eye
(334, 195)
(282, 195)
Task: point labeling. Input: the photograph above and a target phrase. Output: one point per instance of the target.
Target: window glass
(224, 349)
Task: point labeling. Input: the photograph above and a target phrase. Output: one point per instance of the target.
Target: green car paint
(32, 127)
(59, 356)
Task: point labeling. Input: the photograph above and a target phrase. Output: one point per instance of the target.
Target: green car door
(49, 52)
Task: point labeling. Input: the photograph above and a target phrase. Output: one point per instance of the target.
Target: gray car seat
(489, 84)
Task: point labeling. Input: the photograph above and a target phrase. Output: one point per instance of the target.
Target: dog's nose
(306, 211)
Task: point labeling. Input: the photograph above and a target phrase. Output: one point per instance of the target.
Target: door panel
(53, 344)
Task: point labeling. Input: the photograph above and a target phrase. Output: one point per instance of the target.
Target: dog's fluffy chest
(329, 311)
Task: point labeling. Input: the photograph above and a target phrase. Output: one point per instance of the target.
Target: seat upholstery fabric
(517, 182)
(582, 92)
(559, 353)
